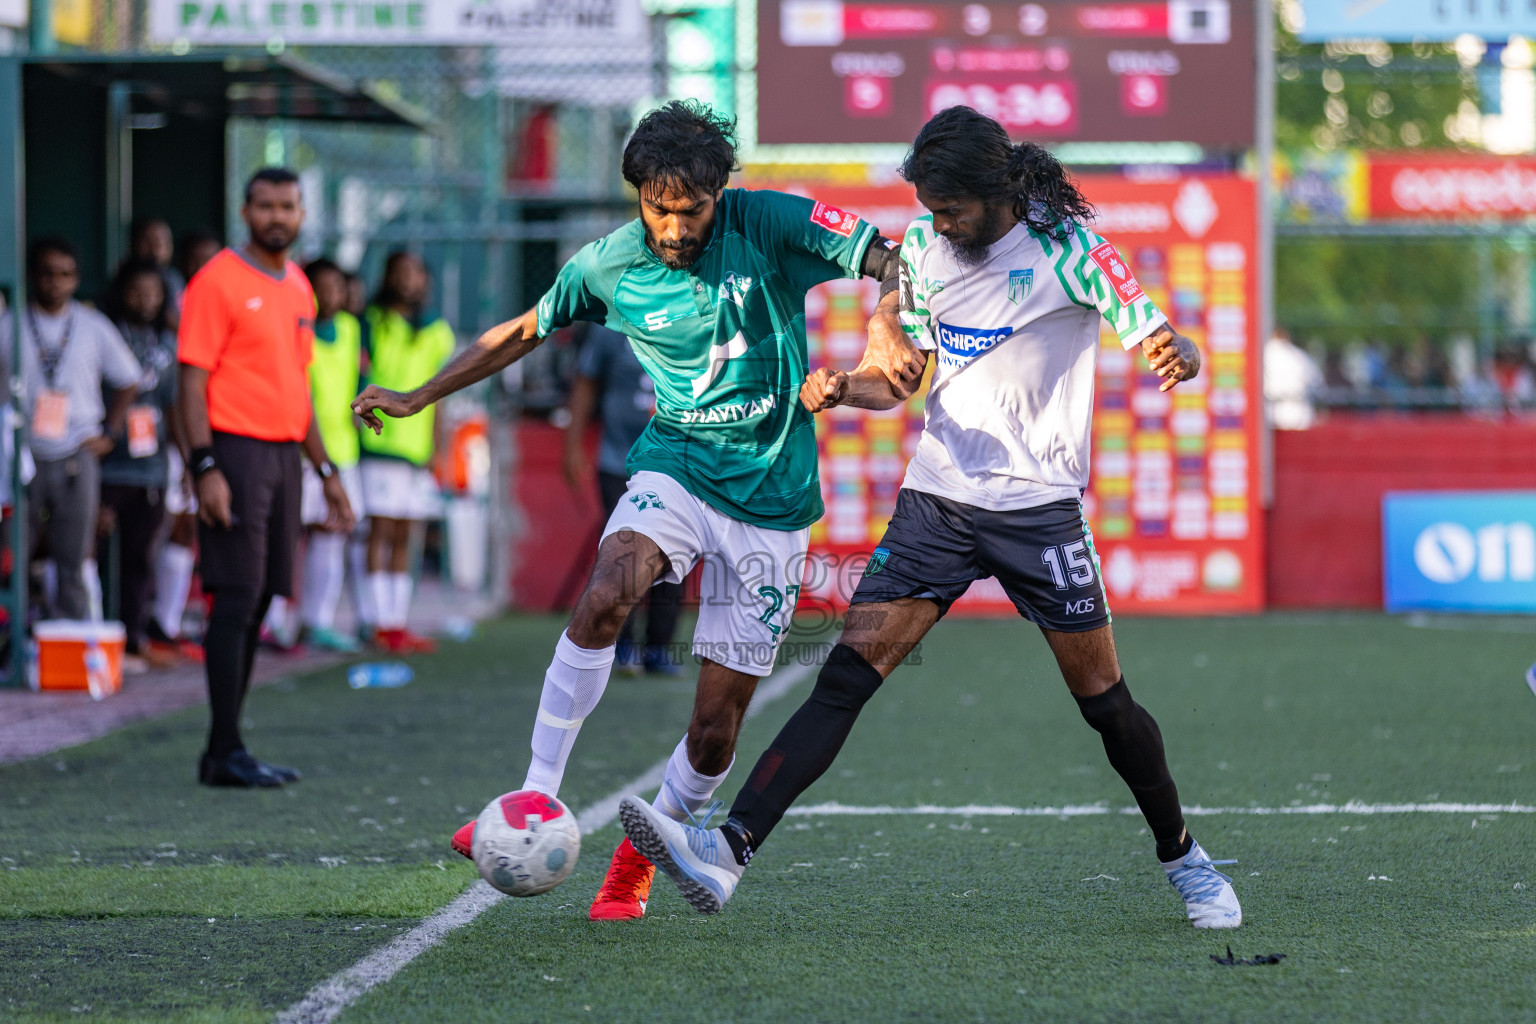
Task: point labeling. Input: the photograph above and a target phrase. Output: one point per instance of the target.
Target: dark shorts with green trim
(935, 548)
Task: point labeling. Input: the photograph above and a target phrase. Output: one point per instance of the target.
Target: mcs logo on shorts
(1082, 607)
(966, 343)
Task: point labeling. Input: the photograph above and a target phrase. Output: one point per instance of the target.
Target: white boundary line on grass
(323, 1003)
(834, 809)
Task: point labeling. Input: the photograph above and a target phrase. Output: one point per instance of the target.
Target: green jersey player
(709, 285)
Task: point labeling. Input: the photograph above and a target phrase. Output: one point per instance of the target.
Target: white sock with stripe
(683, 782)
(573, 685)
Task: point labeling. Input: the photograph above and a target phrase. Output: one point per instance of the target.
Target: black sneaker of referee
(239, 769)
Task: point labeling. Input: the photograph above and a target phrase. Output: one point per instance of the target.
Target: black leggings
(140, 512)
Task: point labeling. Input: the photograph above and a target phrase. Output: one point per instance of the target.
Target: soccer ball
(526, 843)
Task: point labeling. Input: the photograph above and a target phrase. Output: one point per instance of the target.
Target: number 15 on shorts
(1069, 564)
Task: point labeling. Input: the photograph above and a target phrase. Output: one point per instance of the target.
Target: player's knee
(846, 681)
(234, 607)
(1109, 711)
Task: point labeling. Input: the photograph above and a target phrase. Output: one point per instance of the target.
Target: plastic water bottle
(379, 675)
(459, 627)
(98, 675)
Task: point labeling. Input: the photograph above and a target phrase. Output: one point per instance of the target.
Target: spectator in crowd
(70, 355)
(245, 343)
(405, 348)
(1291, 383)
(357, 295)
(149, 241)
(136, 472)
(333, 381)
(197, 247)
(611, 383)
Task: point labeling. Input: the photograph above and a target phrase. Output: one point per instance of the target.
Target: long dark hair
(964, 154)
(683, 145)
(130, 269)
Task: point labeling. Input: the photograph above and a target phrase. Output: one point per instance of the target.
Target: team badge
(877, 560)
(647, 499)
(1020, 284)
(833, 219)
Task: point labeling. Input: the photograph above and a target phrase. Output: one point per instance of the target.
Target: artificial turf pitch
(130, 893)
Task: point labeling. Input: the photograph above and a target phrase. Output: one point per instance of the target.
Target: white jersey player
(1005, 288)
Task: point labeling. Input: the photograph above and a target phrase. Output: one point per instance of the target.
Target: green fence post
(13, 228)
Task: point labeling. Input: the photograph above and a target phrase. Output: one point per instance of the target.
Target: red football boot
(627, 887)
(463, 841)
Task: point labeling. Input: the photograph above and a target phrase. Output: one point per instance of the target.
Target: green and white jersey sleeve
(1095, 275)
(571, 297)
(916, 320)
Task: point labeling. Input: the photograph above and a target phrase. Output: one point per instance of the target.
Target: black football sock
(807, 745)
(224, 647)
(1135, 748)
(739, 840)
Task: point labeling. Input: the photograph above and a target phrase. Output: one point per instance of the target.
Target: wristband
(203, 462)
(326, 470)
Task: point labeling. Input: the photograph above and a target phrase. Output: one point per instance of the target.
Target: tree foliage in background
(1377, 96)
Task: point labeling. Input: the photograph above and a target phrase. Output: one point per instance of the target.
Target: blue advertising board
(1459, 551)
(1406, 20)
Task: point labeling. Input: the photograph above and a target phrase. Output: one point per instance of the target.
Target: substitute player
(709, 285)
(1003, 284)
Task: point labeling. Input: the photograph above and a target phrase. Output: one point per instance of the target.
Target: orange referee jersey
(254, 334)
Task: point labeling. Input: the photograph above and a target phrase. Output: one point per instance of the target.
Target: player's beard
(675, 255)
(275, 238)
(968, 250)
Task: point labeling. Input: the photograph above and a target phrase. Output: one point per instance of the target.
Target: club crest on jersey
(833, 219)
(1120, 277)
(735, 287)
(1020, 284)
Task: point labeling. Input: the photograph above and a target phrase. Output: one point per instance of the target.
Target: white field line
(325, 1001)
(833, 809)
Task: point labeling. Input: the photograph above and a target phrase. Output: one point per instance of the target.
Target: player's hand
(823, 389)
(213, 500)
(892, 354)
(339, 516)
(375, 400)
(98, 446)
(1171, 356)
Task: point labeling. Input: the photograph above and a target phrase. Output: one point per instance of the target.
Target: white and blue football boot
(1207, 893)
(698, 860)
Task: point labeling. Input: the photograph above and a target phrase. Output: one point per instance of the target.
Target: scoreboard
(868, 71)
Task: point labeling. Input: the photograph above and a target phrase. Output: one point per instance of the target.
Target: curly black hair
(683, 146)
(964, 154)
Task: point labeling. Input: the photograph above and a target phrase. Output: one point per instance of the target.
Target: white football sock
(362, 591)
(277, 615)
(325, 569)
(383, 593)
(572, 687)
(173, 582)
(400, 588)
(683, 782)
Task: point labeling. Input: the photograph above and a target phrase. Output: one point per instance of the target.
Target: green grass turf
(850, 919)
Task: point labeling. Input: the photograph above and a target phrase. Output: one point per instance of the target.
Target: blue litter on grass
(1530, 678)
(379, 675)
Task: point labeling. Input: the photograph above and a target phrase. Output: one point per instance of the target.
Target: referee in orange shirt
(247, 327)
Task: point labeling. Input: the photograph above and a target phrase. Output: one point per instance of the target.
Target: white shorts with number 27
(750, 580)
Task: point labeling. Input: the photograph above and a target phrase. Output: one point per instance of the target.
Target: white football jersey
(1010, 406)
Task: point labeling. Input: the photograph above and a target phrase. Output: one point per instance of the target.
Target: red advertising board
(841, 71)
(1174, 496)
(1450, 186)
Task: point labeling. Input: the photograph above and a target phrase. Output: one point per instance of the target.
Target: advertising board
(1174, 495)
(1407, 20)
(1459, 551)
(1451, 186)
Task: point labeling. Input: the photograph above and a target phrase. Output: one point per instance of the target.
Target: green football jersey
(724, 342)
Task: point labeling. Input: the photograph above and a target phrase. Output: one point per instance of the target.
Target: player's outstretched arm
(1171, 355)
(864, 388)
(494, 351)
(889, 351)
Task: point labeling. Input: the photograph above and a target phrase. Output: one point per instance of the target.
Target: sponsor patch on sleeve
(833, 219)
(1109, 260)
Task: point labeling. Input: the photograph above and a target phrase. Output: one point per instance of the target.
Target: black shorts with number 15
(1043, 556)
